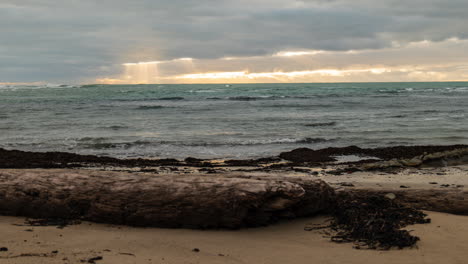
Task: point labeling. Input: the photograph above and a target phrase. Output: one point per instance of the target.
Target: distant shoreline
(14, 159)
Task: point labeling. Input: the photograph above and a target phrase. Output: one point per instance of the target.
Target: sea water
(229, 121)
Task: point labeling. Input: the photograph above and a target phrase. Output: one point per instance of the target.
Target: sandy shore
(442, 241)
(442, 178)
(439, 178)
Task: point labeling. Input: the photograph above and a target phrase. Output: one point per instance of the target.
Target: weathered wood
(203, 201)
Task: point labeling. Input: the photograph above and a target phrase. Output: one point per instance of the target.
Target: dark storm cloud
(74, 40)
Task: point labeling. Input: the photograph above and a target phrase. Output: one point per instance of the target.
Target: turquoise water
(230, 121)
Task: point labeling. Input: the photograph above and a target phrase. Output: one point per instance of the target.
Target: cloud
(79, 41)
(409, 62)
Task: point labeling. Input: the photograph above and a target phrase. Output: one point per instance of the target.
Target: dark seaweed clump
(374, 222)
(306, 155)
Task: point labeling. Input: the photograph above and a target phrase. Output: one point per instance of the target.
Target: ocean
(229, 121)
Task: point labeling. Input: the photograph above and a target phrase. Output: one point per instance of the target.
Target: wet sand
(442, 241)
(441, 178)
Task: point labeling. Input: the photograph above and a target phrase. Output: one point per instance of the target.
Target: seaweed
(374, 222)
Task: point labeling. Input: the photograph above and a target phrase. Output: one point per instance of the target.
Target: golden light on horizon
(183, 70)
(184, 59)
(146, 73)
(307, 66)
(278, 74)
(297, 53)
(142, 72)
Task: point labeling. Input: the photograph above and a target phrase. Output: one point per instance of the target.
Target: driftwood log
(203, 201)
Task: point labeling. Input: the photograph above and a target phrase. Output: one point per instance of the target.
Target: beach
(424, 186)
(442, 241)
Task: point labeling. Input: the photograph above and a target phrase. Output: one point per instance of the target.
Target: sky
(242, 41)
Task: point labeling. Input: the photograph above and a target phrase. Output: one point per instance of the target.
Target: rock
(390, 196)
(381, 165)
(192, 160)
(411, 162)
(401, 155)
(93, 260)
(25, 159)
(307, 155)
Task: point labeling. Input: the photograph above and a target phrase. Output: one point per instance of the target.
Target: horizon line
(275, 82)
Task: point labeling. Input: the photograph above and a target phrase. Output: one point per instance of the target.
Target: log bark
(203, 201)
